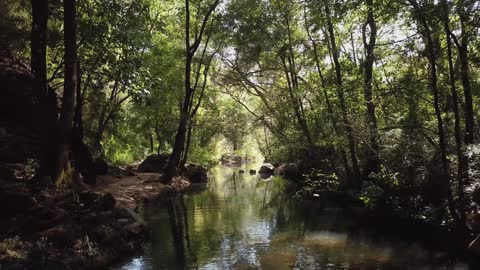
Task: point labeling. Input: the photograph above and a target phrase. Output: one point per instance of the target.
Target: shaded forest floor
(44, 227)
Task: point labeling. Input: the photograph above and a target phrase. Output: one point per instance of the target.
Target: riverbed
(241, 221)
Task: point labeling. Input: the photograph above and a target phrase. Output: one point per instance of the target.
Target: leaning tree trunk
(64, 170)
(341, 97)
(327, 99)
(373, 159)
(180, 137)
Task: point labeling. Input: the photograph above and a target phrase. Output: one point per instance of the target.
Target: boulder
(196, 173)
(178, 184)
(61, 235)
(232, 161)
(289, 170)
(97, 200)
(153, 163)
(106, 202)
(134, 230)
(266, 168)
(14, 203)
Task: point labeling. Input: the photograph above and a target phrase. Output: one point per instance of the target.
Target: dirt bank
(48, 228)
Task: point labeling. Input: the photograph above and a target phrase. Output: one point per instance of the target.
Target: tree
(334, 51)
(369, 37)
(187, 105)
(64, 170)
(47, 97)
(431, 55)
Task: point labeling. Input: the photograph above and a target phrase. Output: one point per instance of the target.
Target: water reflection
(245, 222)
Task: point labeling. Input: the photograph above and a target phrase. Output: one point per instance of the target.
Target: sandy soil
(130, 191)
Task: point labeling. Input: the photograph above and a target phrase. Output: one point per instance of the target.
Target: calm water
(241, 221)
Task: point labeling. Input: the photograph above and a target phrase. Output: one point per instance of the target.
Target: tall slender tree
(190, 50)
(64, 169)
(431, 54)
(369, 34)
(39, 69)
(334, 50)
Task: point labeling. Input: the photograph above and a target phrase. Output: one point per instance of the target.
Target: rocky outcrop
(195, 173)
(289, 171)
(20, 111)
(153, 163)
(232, 161)
(88, 229)
(266, 168)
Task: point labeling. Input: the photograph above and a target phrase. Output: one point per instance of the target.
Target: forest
(111, 110)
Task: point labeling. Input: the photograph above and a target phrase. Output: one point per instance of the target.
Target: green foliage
(274, 80)
(315, 182)
(381, 184)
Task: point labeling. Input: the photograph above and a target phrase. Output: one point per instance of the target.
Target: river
(240, 221)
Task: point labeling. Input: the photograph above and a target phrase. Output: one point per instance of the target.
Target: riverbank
(83, 227)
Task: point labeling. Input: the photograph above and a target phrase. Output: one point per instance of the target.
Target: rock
(133, 230)
(97, 200)
(253, 172)
(153, 163)
(61, 235)
(120, 172)
(266, 168)
(232, 161)
(196, 173)
(15, 203)
(106, 202)
(241, 171)
(13, 171)
(129, 214)
(289, 170)
(474, 246)
(123, 221)
(179, 183)
(101, 166)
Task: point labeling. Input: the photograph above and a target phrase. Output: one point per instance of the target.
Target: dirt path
(129, 191)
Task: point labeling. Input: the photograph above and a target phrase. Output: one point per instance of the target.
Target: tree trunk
(39, 70)
(39, 45)
(461, 173)
(432, 60)
(187, 146)
(467, 92)
(190, 49)
(179, 145)
(373, 159)
(291, 70)
(462, 46)
(327, 99)
(78, 117)
(340, 93)
(66, 118)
